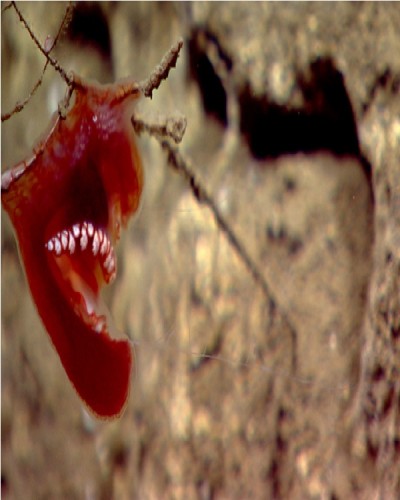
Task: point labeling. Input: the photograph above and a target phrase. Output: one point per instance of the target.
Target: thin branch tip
(173, 127)
(161, 71)
(19, 106)
(46, 54)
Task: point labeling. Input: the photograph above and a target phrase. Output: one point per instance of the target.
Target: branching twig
(176, 160)
(68, 79)
(3, 9)
(201, 194)
(230, 140)
(161, 72)
(20, 105)
(173, 127)
(184, 167)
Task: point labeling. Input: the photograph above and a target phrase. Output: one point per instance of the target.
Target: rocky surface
(294, 126)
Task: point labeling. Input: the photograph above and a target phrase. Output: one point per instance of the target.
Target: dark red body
(87, 169)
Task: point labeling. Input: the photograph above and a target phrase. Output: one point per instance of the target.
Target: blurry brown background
(293, 117)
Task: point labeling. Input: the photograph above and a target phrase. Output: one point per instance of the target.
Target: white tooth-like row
(108, 263)
(90, 229)
(71, 243)
(79, 236)
(84, 238)
(96, 243)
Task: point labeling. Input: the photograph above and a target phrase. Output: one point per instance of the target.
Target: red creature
(67, 204)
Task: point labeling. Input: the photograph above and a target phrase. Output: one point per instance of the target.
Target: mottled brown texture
(314, 414)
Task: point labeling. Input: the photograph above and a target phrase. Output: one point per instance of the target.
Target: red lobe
(67, 204)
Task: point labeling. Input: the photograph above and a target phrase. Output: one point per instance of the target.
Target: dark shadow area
(89, 26)
(202, 71)
(325, 121)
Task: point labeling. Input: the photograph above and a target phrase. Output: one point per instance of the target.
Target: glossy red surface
(86, 171)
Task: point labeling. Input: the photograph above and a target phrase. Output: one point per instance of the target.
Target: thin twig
(173, 127)
(20, 105)
(68, 79)
(183, 166)
(230, 140)
(176, 160)
(3, 9)
(161, 72)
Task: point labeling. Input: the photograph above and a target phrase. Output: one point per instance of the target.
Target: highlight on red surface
(67, 204)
